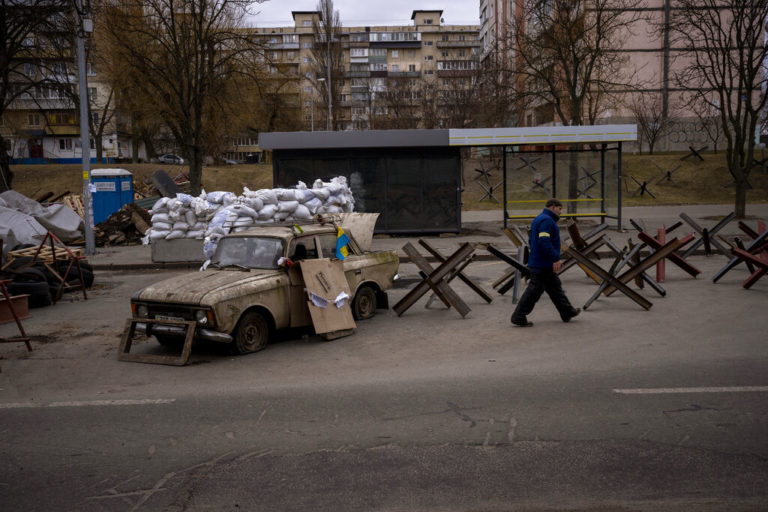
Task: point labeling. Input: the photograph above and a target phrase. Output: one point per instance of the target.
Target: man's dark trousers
(544, 281)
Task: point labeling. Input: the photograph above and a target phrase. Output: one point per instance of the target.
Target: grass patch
(697, 182)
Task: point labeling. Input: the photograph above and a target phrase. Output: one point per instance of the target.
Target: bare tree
(649, 116)
(724, 52)
(28, 30)
(494, 85)
(565, 50)
(188, 54)
(327, 60)
(707, 111)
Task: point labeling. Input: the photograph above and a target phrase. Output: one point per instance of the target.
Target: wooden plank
(325, 279)
(124, 351)
(45, 254)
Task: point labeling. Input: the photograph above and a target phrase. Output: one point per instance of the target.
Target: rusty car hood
(195, 287)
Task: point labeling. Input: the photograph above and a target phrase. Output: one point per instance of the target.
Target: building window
(93, 144)
(273, 55)
(291, 55)
(462, 53)
(445, 37)
(429, 57)
(308, 89)
(428, 72)
(33, 119)
(428, 21)
(65, 144)
(30, 69)
(395, 54)
(306, 45)
(462, 37)
(95, 118)
(62, 118)
(395, 68)
(307, 60)
(306, 23)
(445, 53)
(428, 43)
(358, 52)
(411, 67)
(92, 94)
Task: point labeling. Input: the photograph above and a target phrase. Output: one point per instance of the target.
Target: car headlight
(142, 311)
(201, 316)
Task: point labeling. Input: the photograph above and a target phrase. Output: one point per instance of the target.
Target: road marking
(88, 403)
(662, 391)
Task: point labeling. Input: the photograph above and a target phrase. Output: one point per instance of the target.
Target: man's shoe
(521, 323)
(573, 315)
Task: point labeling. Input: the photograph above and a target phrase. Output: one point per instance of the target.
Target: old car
(252, 287)
(169, 158)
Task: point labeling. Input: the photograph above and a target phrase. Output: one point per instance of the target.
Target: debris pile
(127, 226)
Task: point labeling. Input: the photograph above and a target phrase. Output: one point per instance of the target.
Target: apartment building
(651, 60)
(387, 71)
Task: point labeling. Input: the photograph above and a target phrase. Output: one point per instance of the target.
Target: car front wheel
(252, 333)
(364, 304)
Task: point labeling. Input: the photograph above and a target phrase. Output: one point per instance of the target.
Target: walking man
(544, 263)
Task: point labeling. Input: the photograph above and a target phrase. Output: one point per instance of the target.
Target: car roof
(285, 231)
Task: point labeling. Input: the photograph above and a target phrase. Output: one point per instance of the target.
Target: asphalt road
(622, 409)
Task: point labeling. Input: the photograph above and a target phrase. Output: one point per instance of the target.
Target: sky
(369, 12)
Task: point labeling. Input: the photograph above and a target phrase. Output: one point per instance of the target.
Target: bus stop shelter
(413, 178)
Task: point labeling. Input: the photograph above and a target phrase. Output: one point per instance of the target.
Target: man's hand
(556, 266)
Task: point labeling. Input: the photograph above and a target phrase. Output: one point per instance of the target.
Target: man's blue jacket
(544, 241)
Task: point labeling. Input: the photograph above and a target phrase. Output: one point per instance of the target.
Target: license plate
(171, 318)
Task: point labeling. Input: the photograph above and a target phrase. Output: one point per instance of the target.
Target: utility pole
(84, 27)
(328, 66)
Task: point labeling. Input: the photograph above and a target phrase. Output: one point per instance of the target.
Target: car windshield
(248, 252)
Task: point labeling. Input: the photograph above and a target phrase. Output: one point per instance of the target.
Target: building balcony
(404, 74)
(455, 73)
(284, 46)
(395, 44)
(378, 74)
(357, 74)
(458, 44)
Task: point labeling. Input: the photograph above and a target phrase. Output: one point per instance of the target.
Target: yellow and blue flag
(342, 240)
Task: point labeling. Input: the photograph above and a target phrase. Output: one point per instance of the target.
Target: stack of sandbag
(213, 215)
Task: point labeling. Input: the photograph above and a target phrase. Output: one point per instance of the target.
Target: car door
(299, 249)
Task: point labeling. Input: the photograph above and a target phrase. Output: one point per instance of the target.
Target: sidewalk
(482, 227)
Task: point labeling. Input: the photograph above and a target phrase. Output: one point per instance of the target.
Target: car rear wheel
(252, 333)
(364, 303)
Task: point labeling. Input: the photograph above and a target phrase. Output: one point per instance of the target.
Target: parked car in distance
(169, 158)
(230, 161)
(246, 293)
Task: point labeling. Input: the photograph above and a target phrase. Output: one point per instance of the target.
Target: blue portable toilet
(114, 189)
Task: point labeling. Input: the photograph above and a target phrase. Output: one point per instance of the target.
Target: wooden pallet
(75, 202)
(46, 254)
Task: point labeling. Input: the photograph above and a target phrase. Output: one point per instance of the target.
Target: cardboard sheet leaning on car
(329, 297)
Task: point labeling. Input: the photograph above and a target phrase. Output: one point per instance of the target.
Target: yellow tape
(85, 175)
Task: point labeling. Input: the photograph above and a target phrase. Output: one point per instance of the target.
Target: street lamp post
(313, 103)
(330, 98)
(84, 27)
